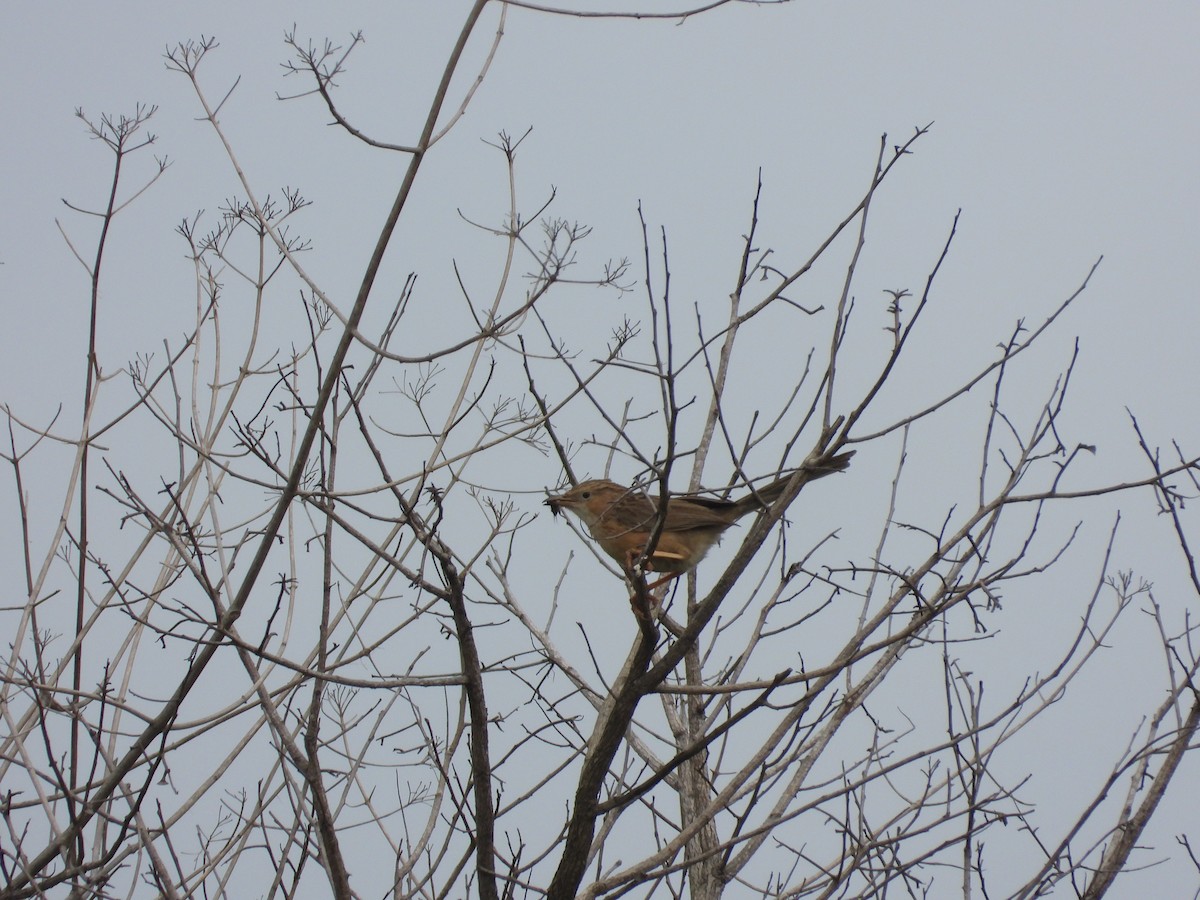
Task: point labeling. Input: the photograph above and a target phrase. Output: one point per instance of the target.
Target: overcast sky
(1064, 132)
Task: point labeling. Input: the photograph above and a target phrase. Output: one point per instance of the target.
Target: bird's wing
(692, 512)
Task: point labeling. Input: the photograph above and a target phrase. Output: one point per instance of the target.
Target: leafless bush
(297, 624)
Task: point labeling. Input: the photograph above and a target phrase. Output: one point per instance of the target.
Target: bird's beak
(553, 503)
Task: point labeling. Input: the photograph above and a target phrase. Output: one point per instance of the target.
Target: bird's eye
(586, 495)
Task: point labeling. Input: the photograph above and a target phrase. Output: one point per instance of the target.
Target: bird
(621, 519)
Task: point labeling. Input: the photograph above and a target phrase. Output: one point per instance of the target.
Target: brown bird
(621, 519)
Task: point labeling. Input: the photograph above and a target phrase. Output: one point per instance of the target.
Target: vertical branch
(481, 763)
(117, 143)
(726, 353)
(706, 866)
(664, 368)
(331, 850)
(116, 134)
(839, 326)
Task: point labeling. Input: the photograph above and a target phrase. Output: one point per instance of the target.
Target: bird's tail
(769, 493)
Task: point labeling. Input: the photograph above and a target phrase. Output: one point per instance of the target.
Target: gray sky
(1064, 132)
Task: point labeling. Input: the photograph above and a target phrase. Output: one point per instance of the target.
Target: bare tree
(284, 634)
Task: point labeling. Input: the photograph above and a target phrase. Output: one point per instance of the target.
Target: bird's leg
(635, 566)
(669, 577)
(642, 599)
